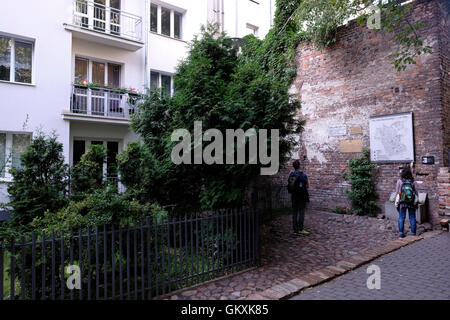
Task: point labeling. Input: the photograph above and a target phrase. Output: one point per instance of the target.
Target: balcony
(101, 105)
(107, 25)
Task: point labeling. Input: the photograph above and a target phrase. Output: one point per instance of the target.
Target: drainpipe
(222, 13)
(271, 13)
(146, 31)
(237, 19)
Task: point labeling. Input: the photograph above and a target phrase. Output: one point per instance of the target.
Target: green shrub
(102, 207)
(40, 184)
(362, 194)
(87, 175)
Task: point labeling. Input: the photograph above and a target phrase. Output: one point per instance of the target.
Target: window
(166, 84)
(81, 70)
(167, 27)
(16, 58)
(154, 80)
(164, 81)
(112, 150)
(113, 75)
(154, 18)
(5, 58)
(165, 21)
(12, 146)
(177, 25)
(98, 72)
(104, 73)
(19, 144)
(80, 146)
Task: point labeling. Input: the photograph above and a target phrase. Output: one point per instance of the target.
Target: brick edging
(290, 288)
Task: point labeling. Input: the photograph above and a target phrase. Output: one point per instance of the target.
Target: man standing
(298, 188)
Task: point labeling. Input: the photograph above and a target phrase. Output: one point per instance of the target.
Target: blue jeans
(402, 217)
(298, 213)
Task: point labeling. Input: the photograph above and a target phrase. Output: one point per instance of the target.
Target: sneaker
(402, 236)
(304, 233)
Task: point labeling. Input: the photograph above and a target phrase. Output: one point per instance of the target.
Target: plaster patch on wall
(316, 138)
(315, 98)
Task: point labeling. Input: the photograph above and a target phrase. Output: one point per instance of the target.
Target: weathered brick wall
(354, 80)
(444, 191)
(445, 75)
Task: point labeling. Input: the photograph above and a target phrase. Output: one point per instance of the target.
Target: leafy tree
(87, 175)
(362, 194)
(40, 183)
(224, 91)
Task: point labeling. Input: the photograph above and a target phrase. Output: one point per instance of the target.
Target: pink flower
(132, 89)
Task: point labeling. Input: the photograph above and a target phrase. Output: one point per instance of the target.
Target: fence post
(43, 257)
(1, 270)
(257, 239)
(149, 275)
(12, 266)
(22, 285)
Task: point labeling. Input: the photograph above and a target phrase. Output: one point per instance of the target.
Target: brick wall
(445, 75)
(354, 80)
(444, 191)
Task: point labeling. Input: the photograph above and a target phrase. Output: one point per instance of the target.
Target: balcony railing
(95, 16)
(102, 102)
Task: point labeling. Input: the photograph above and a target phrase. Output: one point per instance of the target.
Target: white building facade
(73, 66)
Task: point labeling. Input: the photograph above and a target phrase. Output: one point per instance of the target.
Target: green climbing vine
(318, 21)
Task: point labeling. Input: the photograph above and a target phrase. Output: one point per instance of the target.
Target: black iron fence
(268, 198)
(140, 261)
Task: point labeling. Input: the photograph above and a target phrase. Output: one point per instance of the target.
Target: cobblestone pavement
(416, 272)
(284, 256)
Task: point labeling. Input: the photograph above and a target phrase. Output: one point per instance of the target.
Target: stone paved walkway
(284, 256)
(419, 271)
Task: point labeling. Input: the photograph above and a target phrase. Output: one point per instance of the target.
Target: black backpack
(294, 183)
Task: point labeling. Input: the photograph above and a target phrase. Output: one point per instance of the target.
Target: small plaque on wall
(338, 131)
(356, 130)
(351, 146)
(428, 160)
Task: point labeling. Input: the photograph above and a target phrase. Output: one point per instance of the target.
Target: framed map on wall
(392, 138)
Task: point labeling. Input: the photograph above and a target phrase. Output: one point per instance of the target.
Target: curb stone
(295, 286)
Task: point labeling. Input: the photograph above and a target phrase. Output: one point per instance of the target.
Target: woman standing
(406, 189)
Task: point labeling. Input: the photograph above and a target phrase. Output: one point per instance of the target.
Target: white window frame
(172, 20)
(161, 73)
(12, 69)
(8, 152)
(254, 29)
(90, 65)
